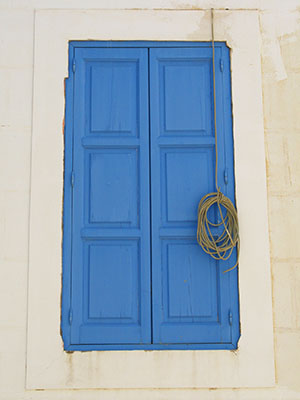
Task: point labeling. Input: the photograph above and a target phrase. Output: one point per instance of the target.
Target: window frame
(48, 365)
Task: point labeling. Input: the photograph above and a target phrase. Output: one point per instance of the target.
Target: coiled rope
(219, 247)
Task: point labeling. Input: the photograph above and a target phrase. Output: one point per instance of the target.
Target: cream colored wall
(280, 32)
(281, 84)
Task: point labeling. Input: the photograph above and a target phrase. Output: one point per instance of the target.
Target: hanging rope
(219, 247)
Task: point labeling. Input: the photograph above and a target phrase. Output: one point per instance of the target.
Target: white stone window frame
(48, 365)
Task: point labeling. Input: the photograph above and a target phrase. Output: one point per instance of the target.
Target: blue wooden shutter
(110, 300)
(191, 297)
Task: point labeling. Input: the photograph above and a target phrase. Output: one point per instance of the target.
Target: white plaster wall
(280, 34)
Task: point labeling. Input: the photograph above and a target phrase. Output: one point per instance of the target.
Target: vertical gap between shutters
(150, 194)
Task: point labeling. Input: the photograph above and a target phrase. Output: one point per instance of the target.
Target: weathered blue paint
(128, 290)
(191, 296)
(110, 296)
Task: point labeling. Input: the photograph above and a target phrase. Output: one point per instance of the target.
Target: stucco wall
(280, 34)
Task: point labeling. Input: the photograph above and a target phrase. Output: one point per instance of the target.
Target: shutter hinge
(74, 66)
(226, 176)
(70, 316)
(221, 65)
(72, 178)
(230, 317)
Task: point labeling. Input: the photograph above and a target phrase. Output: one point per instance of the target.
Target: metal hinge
(72, 178)
(230, 317)
(226, 176)
(70, 316)
(221, 65)
(74, 66)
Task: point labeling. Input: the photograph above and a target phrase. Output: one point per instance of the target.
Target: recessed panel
(114, 185)
(113, 97)
(186, 97)
(190, 282)
(113, 287)
(187, 176)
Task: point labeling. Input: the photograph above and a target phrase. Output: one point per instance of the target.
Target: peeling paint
(275, 25)
(70, 368)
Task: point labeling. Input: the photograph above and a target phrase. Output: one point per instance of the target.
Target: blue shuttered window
(139, 155)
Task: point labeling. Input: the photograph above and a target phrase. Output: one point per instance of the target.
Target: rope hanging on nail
(219, 247)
